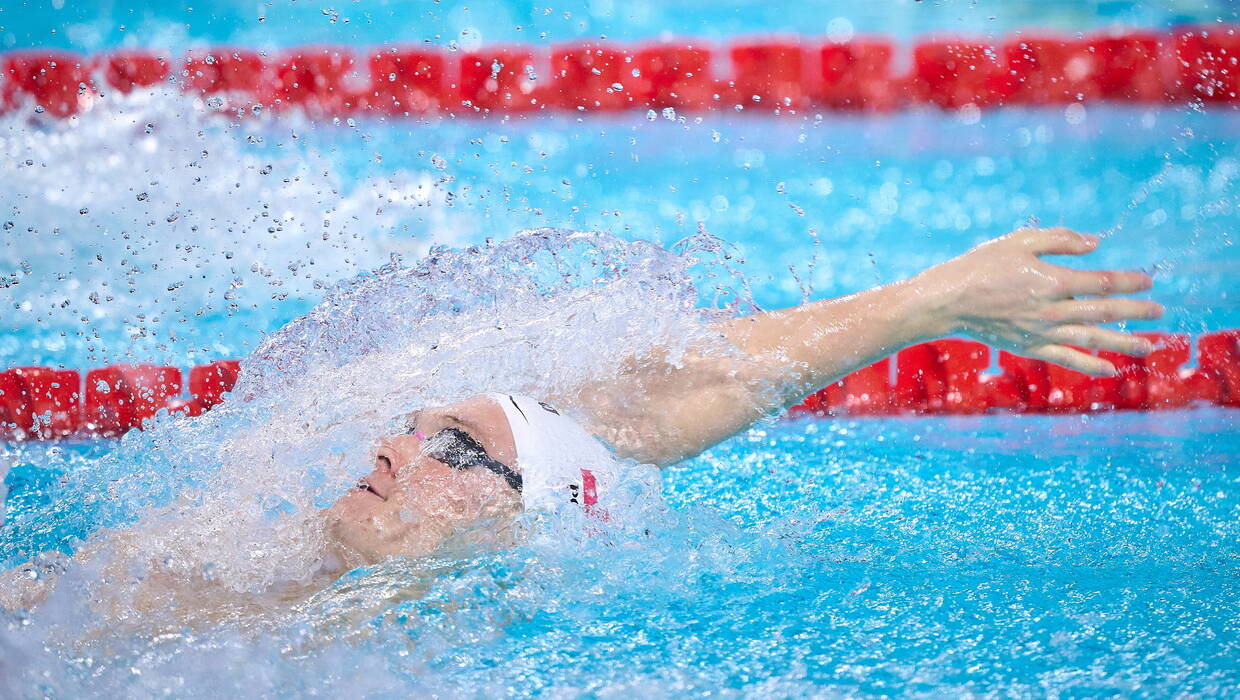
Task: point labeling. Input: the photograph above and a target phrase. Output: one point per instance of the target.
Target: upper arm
(660, 413)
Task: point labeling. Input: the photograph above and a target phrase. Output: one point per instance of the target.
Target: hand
(1003, 294)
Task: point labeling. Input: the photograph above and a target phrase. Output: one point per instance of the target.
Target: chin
(364, 538)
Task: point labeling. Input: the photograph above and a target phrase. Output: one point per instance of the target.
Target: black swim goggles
(459, 450)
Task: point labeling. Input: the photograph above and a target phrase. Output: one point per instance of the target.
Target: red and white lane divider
(940, 377)
(42, 403)
(767, 75)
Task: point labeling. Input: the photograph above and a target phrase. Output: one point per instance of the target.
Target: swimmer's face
(410, 503)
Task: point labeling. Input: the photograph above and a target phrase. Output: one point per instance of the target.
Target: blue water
(468, 23)
(824, 207)
(1023, 556)
(991, 556)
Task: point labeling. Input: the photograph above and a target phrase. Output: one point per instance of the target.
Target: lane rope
(795, 76)
(943, 377)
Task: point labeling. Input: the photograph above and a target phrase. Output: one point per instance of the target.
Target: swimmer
(488, 458)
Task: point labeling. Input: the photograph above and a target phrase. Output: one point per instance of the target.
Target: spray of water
(151, 210)
(234, 498)
(190, 214)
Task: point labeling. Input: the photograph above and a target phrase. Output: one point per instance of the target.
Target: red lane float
(40, 402)
(224, 71)
(592, 78)
(675, 76)
(1127, 67)
(1218, 359)
(57, 82)
(943, 377)
(406, 82)
(785, 75)
(118, 398)
(771, 75)
(950, 377)
(501, 79)
(1209, 63)
(322, 81)
(952, 74)
(857, 76)
(129, 70)
(864, 392)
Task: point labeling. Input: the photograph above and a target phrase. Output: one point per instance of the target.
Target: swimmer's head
(417, 496)
(468, 467)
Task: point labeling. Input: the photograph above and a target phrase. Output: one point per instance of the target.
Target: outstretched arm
(1000, 292)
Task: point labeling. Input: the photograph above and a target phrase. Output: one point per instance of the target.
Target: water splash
(234, 496)
(151, 210)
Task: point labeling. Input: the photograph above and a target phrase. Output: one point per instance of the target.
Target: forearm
(799, 350)
(661, 413)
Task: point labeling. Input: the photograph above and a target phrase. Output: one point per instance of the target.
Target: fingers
(1073, 359)
(1101, 339)
(1103, 310)
(1096, 283)
(1062, 241)
(1058, 241)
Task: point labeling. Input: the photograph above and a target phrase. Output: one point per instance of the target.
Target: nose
(385, 463)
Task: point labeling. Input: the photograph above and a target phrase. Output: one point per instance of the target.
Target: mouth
(363, 485)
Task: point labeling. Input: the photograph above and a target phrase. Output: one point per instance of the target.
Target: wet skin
(411, 502)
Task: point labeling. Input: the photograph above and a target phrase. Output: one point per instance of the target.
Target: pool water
(1089, 555)
(1094, 555)
(820, 207)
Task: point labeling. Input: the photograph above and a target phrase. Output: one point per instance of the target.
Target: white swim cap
(559, 461)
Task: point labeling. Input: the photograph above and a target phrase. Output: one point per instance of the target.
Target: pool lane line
(942, 377)
(795, 76)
